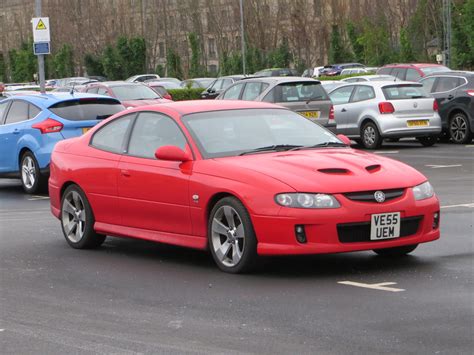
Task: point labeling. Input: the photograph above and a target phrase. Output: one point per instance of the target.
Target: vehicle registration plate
(416, 123)
(385, 226)
(312, 115)
(86, 129)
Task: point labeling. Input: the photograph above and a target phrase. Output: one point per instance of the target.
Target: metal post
(40, 57)
(447, 32)
(242, 35)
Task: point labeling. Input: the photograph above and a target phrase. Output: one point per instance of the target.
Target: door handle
(343, 110)
(450, 97)
(16, 131)
(125, 173)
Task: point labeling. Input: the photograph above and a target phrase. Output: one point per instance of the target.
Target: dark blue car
(31, 125)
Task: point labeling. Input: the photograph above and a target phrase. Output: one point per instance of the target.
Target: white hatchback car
(368, 112)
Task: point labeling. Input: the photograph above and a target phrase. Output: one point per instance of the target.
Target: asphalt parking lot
(133, 296)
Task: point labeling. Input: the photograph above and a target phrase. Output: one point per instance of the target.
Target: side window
(102, 91)
(412, 75)
(152, 131)
(3, 109)
(428, 84)
(217, 85)
(270, 97)
(226, 83)
(111, 136)
(234, 92)
(362, 93)
(252, 90)
(93, 90)
(341, 95)
(447, 83)
(18, 112)
(33, 111)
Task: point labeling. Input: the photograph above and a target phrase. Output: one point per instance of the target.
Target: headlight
(423, 191)
(301, 200)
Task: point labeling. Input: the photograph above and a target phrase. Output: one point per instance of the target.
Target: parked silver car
(303, 95)
(374, 77)
(368, 112)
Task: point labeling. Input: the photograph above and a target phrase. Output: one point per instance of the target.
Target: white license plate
(385, 226)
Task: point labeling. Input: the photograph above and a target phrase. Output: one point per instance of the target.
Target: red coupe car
(240, 178)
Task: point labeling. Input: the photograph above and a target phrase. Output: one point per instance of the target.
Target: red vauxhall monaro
(240, 178)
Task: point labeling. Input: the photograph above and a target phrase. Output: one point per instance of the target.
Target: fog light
(300, 233)
(436, 220)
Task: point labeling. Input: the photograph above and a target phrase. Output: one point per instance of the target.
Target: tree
(463, 38)
(195, 69)
(63, 62)
(112, 64)
(173, 64)
(160, 70)
(93, 65)
(406, 49)
(357, 48)
(23, 63)
(376, 43)
(337, 51)
(281, 57)
(137, 61)
(2, 68)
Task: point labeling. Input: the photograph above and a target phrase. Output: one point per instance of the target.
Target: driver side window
(152, 131)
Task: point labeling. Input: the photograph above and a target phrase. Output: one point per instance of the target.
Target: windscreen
(134, 92)
(232, 132)
(86, 109)
(403, 92)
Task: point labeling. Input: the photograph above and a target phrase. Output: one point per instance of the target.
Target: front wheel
(31, 178)
(231, 236)
(397, 251)
(77, 220)
(371, 138)
(428, 141)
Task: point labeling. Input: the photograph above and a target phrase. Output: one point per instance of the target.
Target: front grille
(360, 232)
(368, 196)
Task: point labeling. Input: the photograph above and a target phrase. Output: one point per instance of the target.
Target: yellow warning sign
(40, 25)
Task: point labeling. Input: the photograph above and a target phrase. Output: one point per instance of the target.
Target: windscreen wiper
(314, 98)
(276, 147)
(321, 145)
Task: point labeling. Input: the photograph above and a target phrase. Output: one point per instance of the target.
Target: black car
(219, 85)
(454, 92)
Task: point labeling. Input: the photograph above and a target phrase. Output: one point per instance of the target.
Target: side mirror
(172, 153)
(344, 139)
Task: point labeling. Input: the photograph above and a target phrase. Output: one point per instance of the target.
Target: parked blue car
(31, 125)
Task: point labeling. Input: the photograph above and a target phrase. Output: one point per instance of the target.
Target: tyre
(459, 129)
(370, 135)
(428, 141)
(77, 220)
(31, 178)
(396, 252)
(231, 236)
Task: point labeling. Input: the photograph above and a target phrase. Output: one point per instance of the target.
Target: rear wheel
(459, 129)
(428, 141)
(77, 220)
(31, 178)
(370, 135)
(231, 236)
(396, 252)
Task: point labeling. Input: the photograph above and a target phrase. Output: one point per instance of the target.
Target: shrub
(185, 94)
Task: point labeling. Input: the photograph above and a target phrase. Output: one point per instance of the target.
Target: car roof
(111, 84)
(378, 84)
(188, 107)
(416, 65)
(281, 79)
(49, 99)
(452, 73)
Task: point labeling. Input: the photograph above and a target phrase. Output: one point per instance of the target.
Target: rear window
(295, 92)
(402, 92)
(86, 109)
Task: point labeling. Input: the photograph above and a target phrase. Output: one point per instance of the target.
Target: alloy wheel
(73, 216)
(228, 236)
(369, 135)
(458, 128)
(28, 172)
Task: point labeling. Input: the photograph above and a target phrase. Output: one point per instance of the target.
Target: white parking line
(469, 146)
(443, 166)
(468, 205)
(380, 286)
(36, 198)
(387, 152)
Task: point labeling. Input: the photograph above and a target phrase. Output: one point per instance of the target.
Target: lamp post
(242, 36)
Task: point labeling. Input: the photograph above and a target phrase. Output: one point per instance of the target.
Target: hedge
(185, 94)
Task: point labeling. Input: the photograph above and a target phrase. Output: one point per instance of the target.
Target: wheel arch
(366, 120)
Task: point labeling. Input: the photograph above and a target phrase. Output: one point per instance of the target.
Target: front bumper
(276, 234)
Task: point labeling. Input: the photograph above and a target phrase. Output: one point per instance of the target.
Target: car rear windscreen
(300, 91)
(403, 92)
(86, 109)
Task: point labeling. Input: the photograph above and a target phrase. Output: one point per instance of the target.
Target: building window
(212, 69)
(211, 42)
(161, 50)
